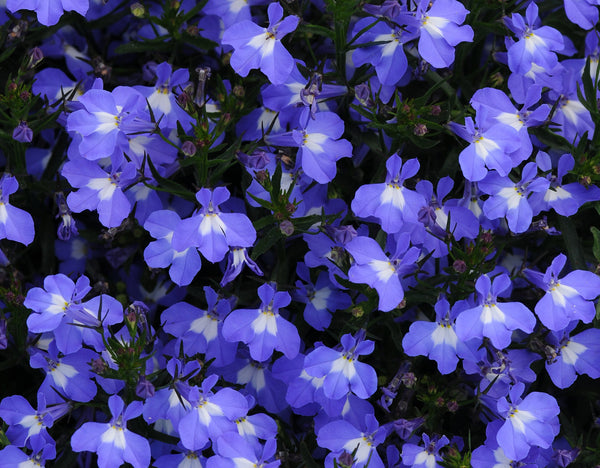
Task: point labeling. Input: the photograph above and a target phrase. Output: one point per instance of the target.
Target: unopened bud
(137, 10)
(287, 228)
(238, 91)
(188, 148)
(420, 129)
(459, 266)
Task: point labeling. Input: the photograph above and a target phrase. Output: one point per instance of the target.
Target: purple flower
(49, 11)
(343, 437)
(321, 299)
(572, 355)
(319, 145)
(15, 224)
(28, 426)
(510, 199)
(565, 199)
(112, 441)
(264, 329)
(531, 421)
(441, 30)
(491, 318)
(256, 47)
(201, 331)
(237, 258)
(106, 120)
(436, 340)
(391, 203)
(582, 12)
(566, 299)
(417, 456)
(388, 58)
(185, 264)
(70, 375)
(535, 44)
(211, 230)
(232, 450)
(99, 189)
(22, 133)
(373, 267)
(163, 101)
(489, 147)
(211, 415)
(341, 369)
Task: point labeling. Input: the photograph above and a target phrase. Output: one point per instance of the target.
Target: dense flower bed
(250, 233)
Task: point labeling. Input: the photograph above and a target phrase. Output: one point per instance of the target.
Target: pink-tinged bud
(188, 148)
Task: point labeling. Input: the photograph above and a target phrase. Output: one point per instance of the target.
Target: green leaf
(596, 247)
(266, 242)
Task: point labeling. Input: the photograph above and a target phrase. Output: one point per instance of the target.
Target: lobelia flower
(491, 318)
(566, 299)
(236, 259)
(565, 199)
(388, 58)
(264, 329)
(201, 331)
(184, 265)
(211, 230)
(436, 340)
(439, 221)
(319, 145)
(499, 370)
(568, 356)
(112, 441)
(212, 414)
(172, 403)
(49, 11)
(497, 108)
(256, 426)
(232, 450)
(15, 223)
(341, 369)
(510, 199)
(58, 308)
(67, 226)
(582, 12)
(489, 147)
(258, 381)
(28, 426)
(99, 189)
(535, 45)
(416, 456)
(529, 421)
(11, 456)
(373, 267)
(321, 298)
(70, 374)
(343, 437)
(491, 454)
(22, 133)
(390, 202)
(163, 101)
(106, 121)
(256, 47)
(440, 23)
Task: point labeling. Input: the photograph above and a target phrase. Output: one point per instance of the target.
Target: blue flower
(112, 441)
(565, 299)
(531, 421)
(256, 47)
(264, 329)
(341, 369)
